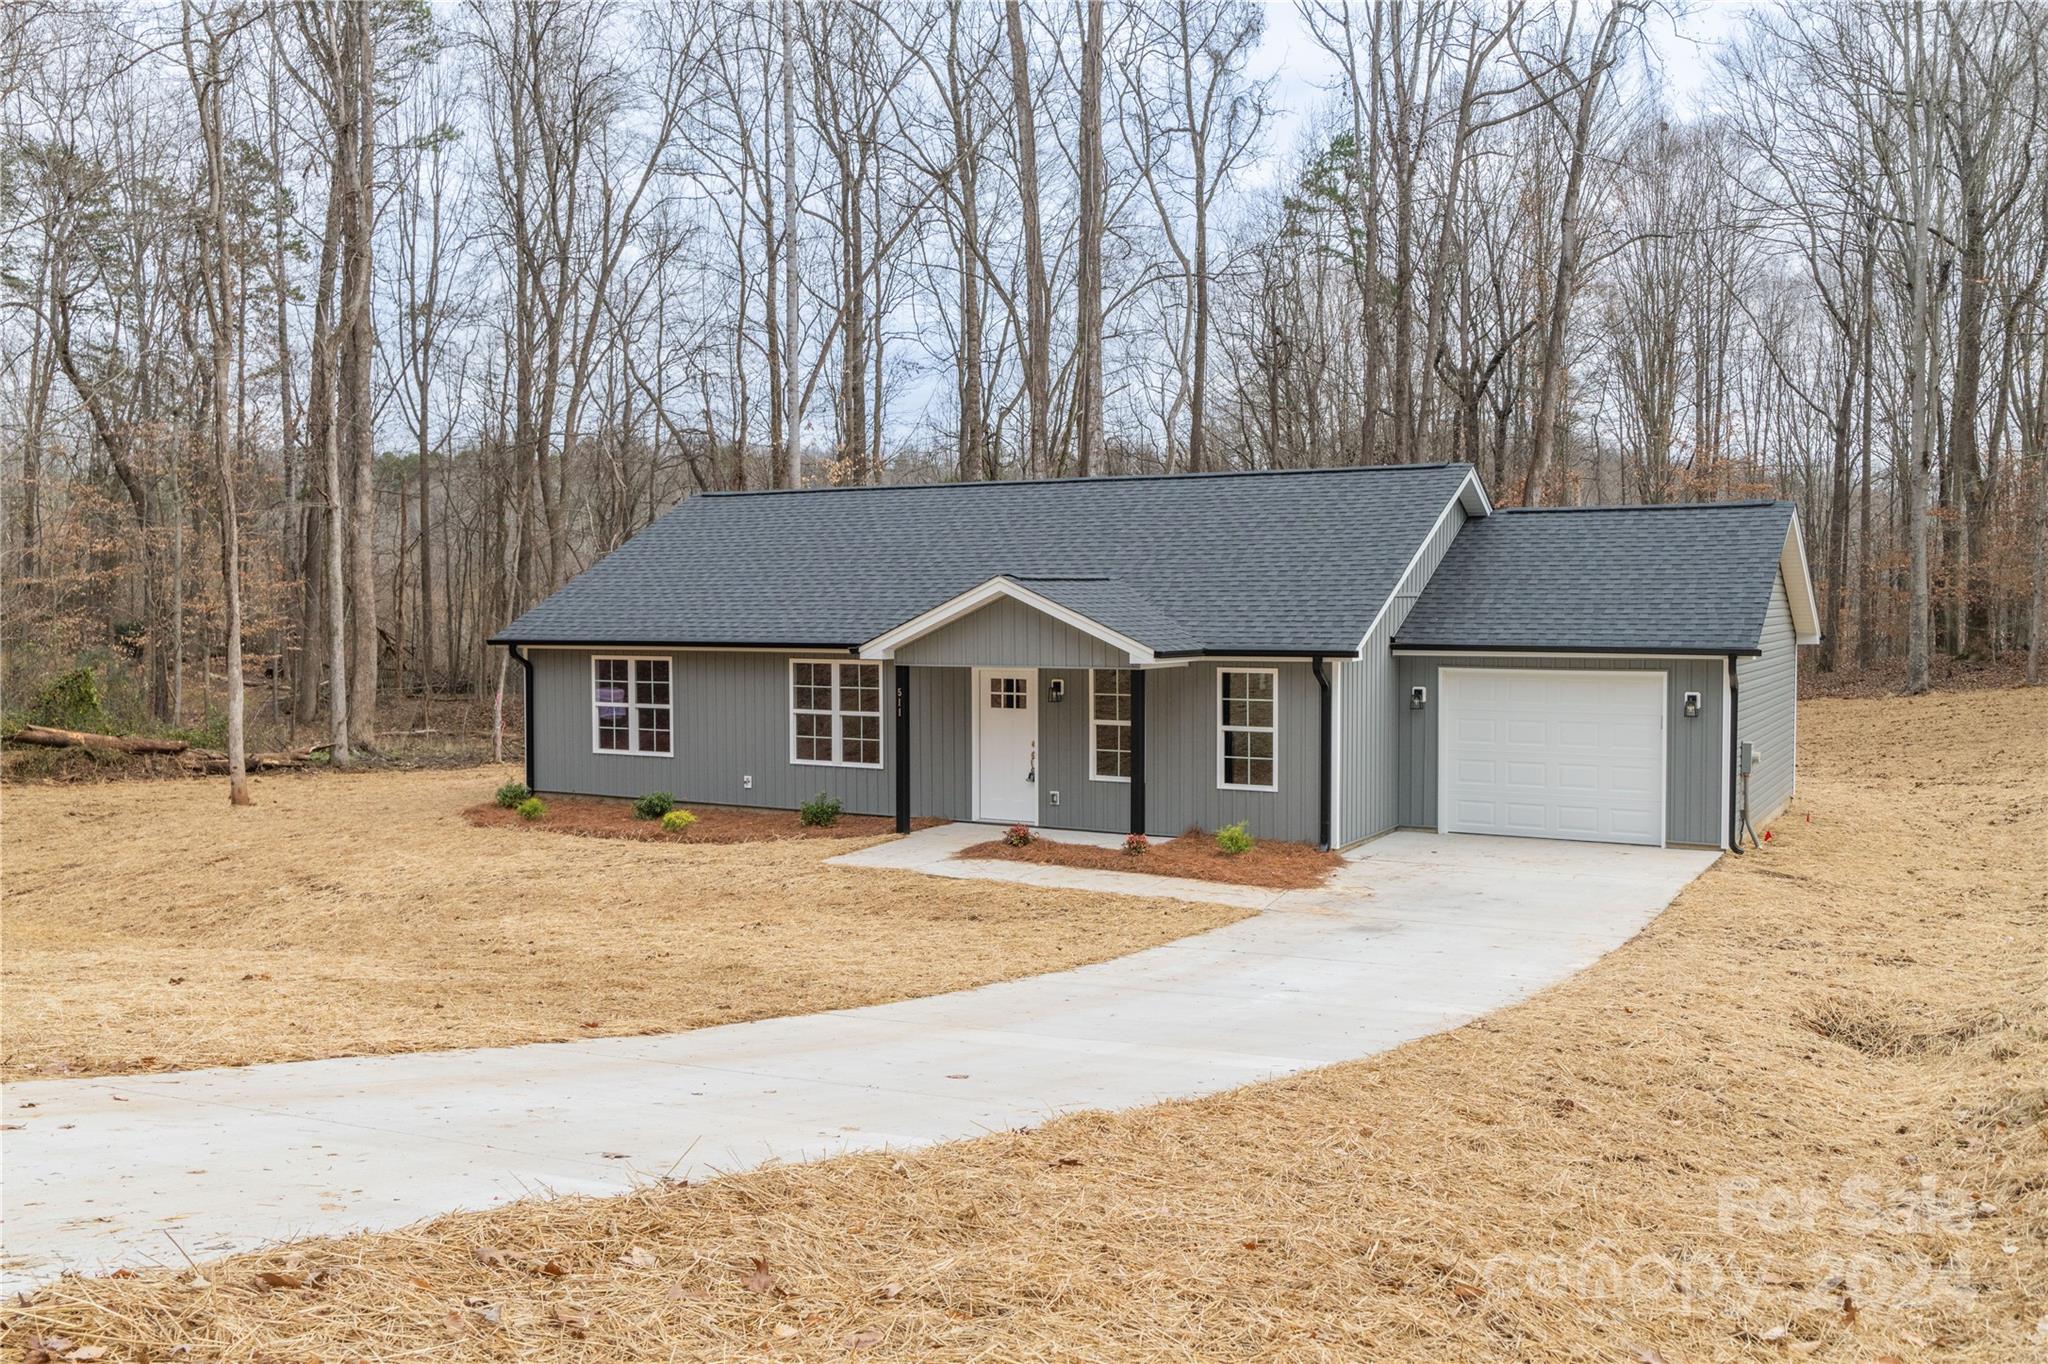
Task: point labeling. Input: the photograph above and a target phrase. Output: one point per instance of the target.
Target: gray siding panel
(1181, 741)
(731, 722)
(1694, 753)
(1008, 634)
(1768, 711)
(1369, 804)
(1066, 758)
(941, 756)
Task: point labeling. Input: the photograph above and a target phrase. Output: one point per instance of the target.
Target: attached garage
(1551, 754)
(1603, 673)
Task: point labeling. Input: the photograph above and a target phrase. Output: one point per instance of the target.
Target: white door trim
(1663, 679)
(979, 701)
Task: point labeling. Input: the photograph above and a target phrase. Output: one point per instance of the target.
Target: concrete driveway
(1416, 934)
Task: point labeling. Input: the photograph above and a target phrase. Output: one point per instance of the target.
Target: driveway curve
(1416, 934)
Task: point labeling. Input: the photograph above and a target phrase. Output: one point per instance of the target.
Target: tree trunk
(359, 344)
(789, 471)
(1037, 340)
(1088, 381)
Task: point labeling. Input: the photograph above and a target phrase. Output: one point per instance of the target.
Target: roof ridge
(1654, 506)
(1091, 478)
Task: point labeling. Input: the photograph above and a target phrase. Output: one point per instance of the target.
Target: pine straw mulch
(1801, 1116)
(593, 817)
(1194, 855)
(149, 926)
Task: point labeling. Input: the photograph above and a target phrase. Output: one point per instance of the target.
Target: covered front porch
(1016, 706)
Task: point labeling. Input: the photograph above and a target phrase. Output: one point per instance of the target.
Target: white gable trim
(1799, 586)
(967, 603)
(1472, 493)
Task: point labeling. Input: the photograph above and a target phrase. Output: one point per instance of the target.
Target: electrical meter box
(1747, 757)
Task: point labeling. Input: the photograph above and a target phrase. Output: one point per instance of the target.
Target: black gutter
(1734, 754)
(525, 710)
(1631, 651)
(1325, 778)
(1137, 750)
(902, 749)
(509, 642)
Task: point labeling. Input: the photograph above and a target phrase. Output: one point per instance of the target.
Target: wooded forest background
(337, 333)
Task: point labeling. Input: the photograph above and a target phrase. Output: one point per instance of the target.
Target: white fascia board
(1799, 586)
(946, 612)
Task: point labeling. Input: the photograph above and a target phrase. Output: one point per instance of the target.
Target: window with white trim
(835, 713)
(1109, 722)
(632, 706)
(1247, 726)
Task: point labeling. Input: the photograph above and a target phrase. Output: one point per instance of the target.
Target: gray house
(1322, 654)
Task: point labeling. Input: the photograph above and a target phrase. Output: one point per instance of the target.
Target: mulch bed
(1194, 855)
(594, 817)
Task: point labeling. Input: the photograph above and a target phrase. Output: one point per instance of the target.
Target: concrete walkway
(1417, 934)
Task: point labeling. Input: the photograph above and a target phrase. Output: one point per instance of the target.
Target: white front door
(1006, 745)
(1551, 754)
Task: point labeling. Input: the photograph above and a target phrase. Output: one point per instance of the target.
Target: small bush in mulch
(1233, 840)
(676, 821)
(513, 794)
(819, 812)
(1137, 844)
(532, 808)
(1272, 863)
(654, 805)
(1017, 836)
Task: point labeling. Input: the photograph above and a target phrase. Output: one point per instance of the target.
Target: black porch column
(902, 748)
(1137, 750)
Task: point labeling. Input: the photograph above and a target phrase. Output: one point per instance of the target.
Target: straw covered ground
(149, 926)
(1800, 1117)
(1194, 855)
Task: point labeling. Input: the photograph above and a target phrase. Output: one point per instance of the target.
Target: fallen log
(45, 737)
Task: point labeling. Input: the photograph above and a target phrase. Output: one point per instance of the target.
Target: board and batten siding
(1367, 803)
(1181, 742)
(732, 721)
(1767, 711)
(1066, 761)
(1009, 634)
(1694, 749)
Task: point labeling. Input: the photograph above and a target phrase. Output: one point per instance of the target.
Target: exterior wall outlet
(1055, 797)
(747, 782)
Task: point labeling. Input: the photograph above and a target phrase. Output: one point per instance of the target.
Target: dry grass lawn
(147, 926)
(1800, 1117)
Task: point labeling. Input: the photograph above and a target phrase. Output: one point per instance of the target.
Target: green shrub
(211, 732)
(819, 812)
(675, 821)
(1233, 839)
(1018, 836)
(531, 809)
(653, 806)
(70, 701)
(512, 795)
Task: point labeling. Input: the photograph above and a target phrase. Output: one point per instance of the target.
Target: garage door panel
(1578, 778)
(1578, 733)
(1555, 754)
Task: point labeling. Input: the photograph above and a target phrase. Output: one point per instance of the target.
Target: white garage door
(1551, 754)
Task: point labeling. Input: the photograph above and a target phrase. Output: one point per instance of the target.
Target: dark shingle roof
(1664, 579)
(1116, 604)
(1294, 561)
